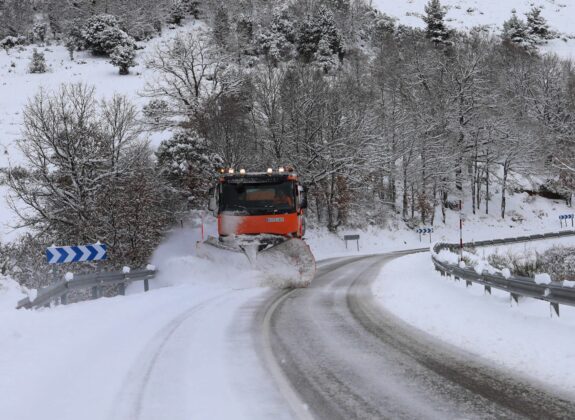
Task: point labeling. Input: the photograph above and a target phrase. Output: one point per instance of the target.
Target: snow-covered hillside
(465, 14)
(18, 86)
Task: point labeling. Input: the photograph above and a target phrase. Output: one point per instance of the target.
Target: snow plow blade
(289, 264)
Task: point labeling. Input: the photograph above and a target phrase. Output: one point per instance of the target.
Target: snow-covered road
(228, 349)
(347, 357)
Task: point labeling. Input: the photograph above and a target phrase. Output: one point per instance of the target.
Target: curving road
(335, 354)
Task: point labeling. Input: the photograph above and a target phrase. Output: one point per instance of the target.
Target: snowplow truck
(262, 216)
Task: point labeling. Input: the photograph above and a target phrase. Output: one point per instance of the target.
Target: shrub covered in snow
(519, 264)
(39, 32)
(37, 63)
(12, 41)
(559, 262)
(123, 57)
(101, 34)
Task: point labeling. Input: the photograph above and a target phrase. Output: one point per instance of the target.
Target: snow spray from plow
(289, 264)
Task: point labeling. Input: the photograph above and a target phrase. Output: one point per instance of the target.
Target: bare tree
(79, 154)
(186, 70)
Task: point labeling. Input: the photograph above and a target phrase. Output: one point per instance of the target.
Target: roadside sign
(566, 217)
(81, 253)
(423, 231)
(351, 238)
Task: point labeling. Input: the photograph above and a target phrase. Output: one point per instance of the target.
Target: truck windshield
(258, 198)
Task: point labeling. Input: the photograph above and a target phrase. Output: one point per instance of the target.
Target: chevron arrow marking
(79, 253)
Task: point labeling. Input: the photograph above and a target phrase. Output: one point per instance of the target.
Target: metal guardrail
(94, 281)
(516, 286)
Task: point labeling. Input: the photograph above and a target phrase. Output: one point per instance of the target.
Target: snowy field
(523, 338)
(465, 14)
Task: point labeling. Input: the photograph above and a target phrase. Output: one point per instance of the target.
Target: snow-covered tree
(283, 23)
(277, 42)
(328, 30)
(182, 66)
(39, 32)
(221, 27)
(383, 27)
(537, 25)
(187, 162)
(123, 57)
(156, 112)
(324, 58)
(315, 28)
(192, 7)
(37, 63)
(434, 18)
(89, 176)
(177, 12)
(244, 31)
(516, 31)
(16, 17)
(102, 33)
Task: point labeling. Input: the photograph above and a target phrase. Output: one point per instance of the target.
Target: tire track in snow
(344, 357)
(129, 404)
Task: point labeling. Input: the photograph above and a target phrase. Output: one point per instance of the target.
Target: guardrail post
(64, 299)
(488, 289)
(467, 283)
(95, 292)
(122, 289)
(514, 297)
(146, 284)
(554, 306)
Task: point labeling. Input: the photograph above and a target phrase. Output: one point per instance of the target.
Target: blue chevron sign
(566, 216)
(68, 254)
(424, 230)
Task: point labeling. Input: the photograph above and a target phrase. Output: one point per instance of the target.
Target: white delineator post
(203, 215)
(460, 230)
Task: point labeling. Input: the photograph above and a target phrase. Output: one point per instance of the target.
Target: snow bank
(10, 293)
(486, 326)
(542, 278)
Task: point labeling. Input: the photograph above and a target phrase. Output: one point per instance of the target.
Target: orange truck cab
(269, 203)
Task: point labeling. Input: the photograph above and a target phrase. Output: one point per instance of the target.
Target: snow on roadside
(483, 325)
(526, 215)
(10, 293)
(61, 357)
